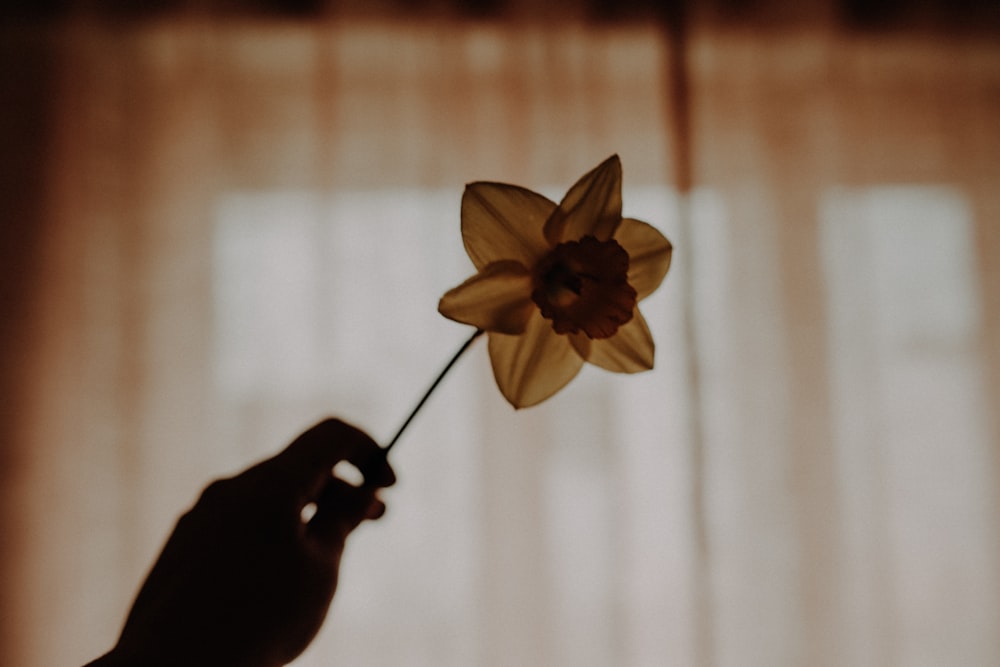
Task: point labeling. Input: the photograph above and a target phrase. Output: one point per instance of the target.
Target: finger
(340, 508)
(308, 462)
(376, 469)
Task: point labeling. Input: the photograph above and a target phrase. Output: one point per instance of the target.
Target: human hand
(243, 580)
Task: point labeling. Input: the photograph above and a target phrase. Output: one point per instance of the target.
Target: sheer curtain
(240, 227)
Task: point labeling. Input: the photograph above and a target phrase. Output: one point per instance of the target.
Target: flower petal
(535, 365)
(502, 221)
(649, 254)
(592, 206)
(628, 351)
(498, 298)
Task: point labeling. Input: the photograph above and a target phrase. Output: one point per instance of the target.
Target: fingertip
(379, 472)
(376, 510)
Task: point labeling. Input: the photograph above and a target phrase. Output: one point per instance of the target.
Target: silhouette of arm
(243, 580)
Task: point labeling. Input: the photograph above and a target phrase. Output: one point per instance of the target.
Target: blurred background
(220, 222)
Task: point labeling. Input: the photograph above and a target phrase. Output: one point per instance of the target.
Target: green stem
(433, 386)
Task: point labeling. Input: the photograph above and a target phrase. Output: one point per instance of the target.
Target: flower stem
(430, 390)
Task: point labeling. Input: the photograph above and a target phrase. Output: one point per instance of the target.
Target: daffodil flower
(557, 285)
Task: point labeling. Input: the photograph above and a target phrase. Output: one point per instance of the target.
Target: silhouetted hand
(244, 580)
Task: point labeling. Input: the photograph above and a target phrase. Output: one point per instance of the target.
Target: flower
(557, 285)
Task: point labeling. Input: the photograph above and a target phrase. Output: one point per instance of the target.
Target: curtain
(226, 230)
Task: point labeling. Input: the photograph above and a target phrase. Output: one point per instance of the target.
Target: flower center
(583, 286)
